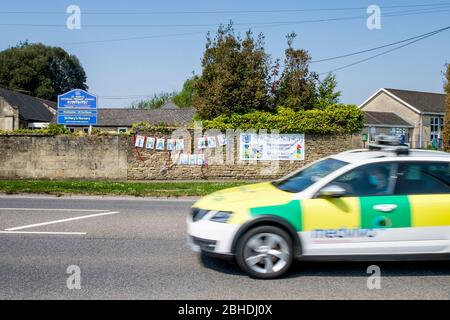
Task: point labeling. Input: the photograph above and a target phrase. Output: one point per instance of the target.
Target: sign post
(77, 108)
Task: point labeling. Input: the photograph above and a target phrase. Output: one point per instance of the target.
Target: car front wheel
(265, 252)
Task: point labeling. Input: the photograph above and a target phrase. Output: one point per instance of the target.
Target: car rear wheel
(265, 252)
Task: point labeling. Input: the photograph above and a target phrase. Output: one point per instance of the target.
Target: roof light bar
(389, 144)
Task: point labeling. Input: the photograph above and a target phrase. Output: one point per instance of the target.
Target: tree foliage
(326, 92)
(234, 77)
(184, 99)
(155, 102)
(447, 114)
(296, 87)
(40, 70)
(240, 77)
(331, 120)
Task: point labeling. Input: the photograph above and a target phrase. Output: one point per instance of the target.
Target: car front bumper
(211, 237)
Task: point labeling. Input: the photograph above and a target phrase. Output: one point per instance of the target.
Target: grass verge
(139, 189)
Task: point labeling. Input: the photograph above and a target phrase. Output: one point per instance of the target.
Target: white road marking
(47, 233)
(60, 221)
(44, 209)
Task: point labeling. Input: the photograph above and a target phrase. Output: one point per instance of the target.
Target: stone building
(418, 116)
(21, 111)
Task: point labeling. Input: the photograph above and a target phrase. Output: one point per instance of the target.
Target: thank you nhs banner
(270, 147)
(77, 107)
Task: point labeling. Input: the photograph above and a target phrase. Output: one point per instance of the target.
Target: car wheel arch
(269, 220)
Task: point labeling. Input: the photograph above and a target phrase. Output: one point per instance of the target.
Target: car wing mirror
(332, 191)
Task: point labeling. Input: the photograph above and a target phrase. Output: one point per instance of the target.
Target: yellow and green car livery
(410, 216)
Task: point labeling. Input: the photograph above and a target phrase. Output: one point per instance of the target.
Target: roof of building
(50, 104)
(423, 101)
(30, 108)
(385, 119)
(126, 117)
(420, 102)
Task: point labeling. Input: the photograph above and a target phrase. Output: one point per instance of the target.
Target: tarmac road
(129, 248)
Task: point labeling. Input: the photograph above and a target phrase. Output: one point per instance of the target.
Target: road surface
(129, 248)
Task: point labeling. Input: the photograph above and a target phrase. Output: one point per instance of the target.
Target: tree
(182, 99)
(234, 76)
(326, 92)
(155, 102)
(41, 71)
(296, 87)
(447, 114)
(185, 97)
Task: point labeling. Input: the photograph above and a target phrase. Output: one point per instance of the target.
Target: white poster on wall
(179, 145)
(140, 140)
(160, 144)
(201, 143)
(150, 143)
(171, 144)
(212, 142)
(184, 159)
(193, 159)
(267, 147)
(222, 140)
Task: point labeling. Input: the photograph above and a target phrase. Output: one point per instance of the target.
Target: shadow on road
(220, 265)
(341, 269)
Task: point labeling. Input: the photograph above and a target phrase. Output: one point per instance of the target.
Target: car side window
(423, 178)
(367, 180)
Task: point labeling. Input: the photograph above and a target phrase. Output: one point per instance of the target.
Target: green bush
(145, 127)
(52, 129)
(331, 120)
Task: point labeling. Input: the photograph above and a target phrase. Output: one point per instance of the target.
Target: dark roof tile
(126, 117)
(385, 119)
(426, 102)
(30, 108)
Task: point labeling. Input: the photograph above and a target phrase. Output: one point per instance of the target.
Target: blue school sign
(77, 107)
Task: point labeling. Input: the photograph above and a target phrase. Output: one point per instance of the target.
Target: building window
(71, 129)
(400, 131)
(37, 125)
(86, 130)
(436, 128)
(122, 130)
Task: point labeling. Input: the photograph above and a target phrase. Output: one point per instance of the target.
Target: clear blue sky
(152, 65)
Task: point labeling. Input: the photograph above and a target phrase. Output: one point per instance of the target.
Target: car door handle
(385, 207)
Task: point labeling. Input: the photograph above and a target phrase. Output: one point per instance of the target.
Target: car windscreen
(306, 177)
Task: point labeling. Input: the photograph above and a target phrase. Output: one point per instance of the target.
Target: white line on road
(49, 233)
(60, 221)
(45, 209)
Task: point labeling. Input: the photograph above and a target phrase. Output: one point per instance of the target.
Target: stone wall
(225, 164)
(63, 157)
(116, 158)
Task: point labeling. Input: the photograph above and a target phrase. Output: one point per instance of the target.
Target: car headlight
(221, 216)
(198, 214)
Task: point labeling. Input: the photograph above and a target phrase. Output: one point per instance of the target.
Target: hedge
(335, 119)
(51, 130)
